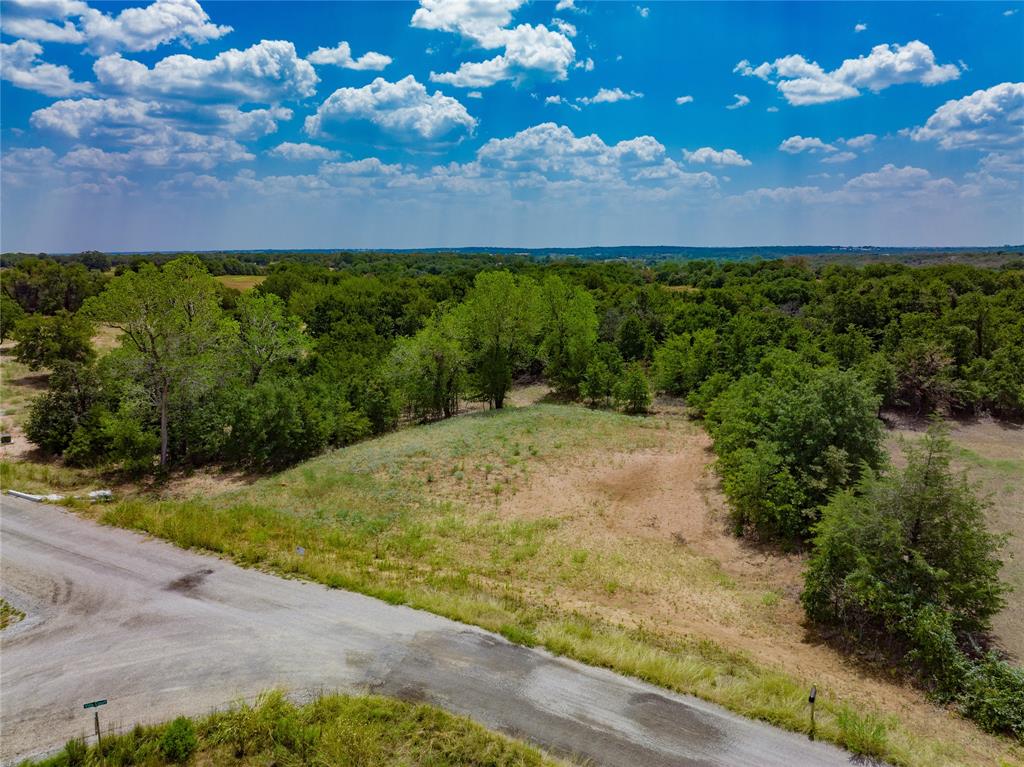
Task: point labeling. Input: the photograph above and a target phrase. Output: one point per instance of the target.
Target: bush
(906, 563)
(45, 341)
(71, 401)
(685, 362)
(788, 438)
(75, 753)
(178, 741)
(632, 393)
(993, 696)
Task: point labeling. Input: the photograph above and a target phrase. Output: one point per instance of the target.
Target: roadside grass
(18, 387)
(412, 518)
(9, 614)
(241, 282)
(332, 730)
(32, 477)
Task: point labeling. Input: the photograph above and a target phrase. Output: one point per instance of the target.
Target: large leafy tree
(499, 322)
(266, 333)
(569, 322)
(905, 563)
(893, 545)
(173, 329)
(429, 369)
(44, 341)
(789, 437)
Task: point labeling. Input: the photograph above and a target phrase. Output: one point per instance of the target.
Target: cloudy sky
(175, 125)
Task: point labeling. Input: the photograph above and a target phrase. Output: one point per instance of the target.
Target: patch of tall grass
(40, 477)
(332, 730)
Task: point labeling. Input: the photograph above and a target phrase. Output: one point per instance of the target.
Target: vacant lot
(595, 534)
(992, 454)
(241, 282)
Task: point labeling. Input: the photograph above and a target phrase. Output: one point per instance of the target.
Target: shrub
(178, 741)
(73, 395)
(788, 438)
(905, 562)
(45, 341)
(632, 393)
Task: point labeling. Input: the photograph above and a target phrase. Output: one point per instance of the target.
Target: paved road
(160, 631)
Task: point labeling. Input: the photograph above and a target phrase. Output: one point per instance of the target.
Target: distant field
(593, 534)
(241, 282)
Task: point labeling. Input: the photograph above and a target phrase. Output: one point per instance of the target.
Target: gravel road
(160, 631)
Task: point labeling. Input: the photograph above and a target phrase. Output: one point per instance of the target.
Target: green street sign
(96, 703)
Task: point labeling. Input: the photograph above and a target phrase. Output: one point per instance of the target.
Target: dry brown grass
(241, 282)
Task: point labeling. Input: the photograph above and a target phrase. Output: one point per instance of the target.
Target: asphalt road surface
(159, 631)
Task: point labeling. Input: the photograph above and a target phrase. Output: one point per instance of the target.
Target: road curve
(160, 631)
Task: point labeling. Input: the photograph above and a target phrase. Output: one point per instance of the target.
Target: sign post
(810, 699)
(95, 705)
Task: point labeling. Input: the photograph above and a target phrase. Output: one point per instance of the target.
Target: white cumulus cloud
(267, 72)
(860, 27)
(300, 152)
(707, 155)
(798, 144)
(131, 29)
(993, 117)
(21, 66)
(683, 100)
(341, 56)
(805, 82)
(610, 96)
(528, 50)
(741, 101)
(402, 108)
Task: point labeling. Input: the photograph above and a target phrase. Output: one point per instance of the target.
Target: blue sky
(174, 124)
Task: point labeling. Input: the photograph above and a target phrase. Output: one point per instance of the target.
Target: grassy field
(593, 534)
(241, 282)
(333, 730)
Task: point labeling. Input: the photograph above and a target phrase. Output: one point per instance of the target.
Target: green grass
(9, 614)
(333, 730)
(410, 518)
(18, 387)
(41, 477)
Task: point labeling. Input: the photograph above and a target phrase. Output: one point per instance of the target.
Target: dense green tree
(905, 562)
(569, 328)
(685, 361)
(47, 286)
(632, 392)
(266, 334)
(924, 376)
(10, 314)
(788, 438)
(429, 369)
(44, 341)
(499, 322)
(172, 327)
(73, 396)
(633, 338)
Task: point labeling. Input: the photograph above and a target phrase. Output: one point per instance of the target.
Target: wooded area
(789, 363)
